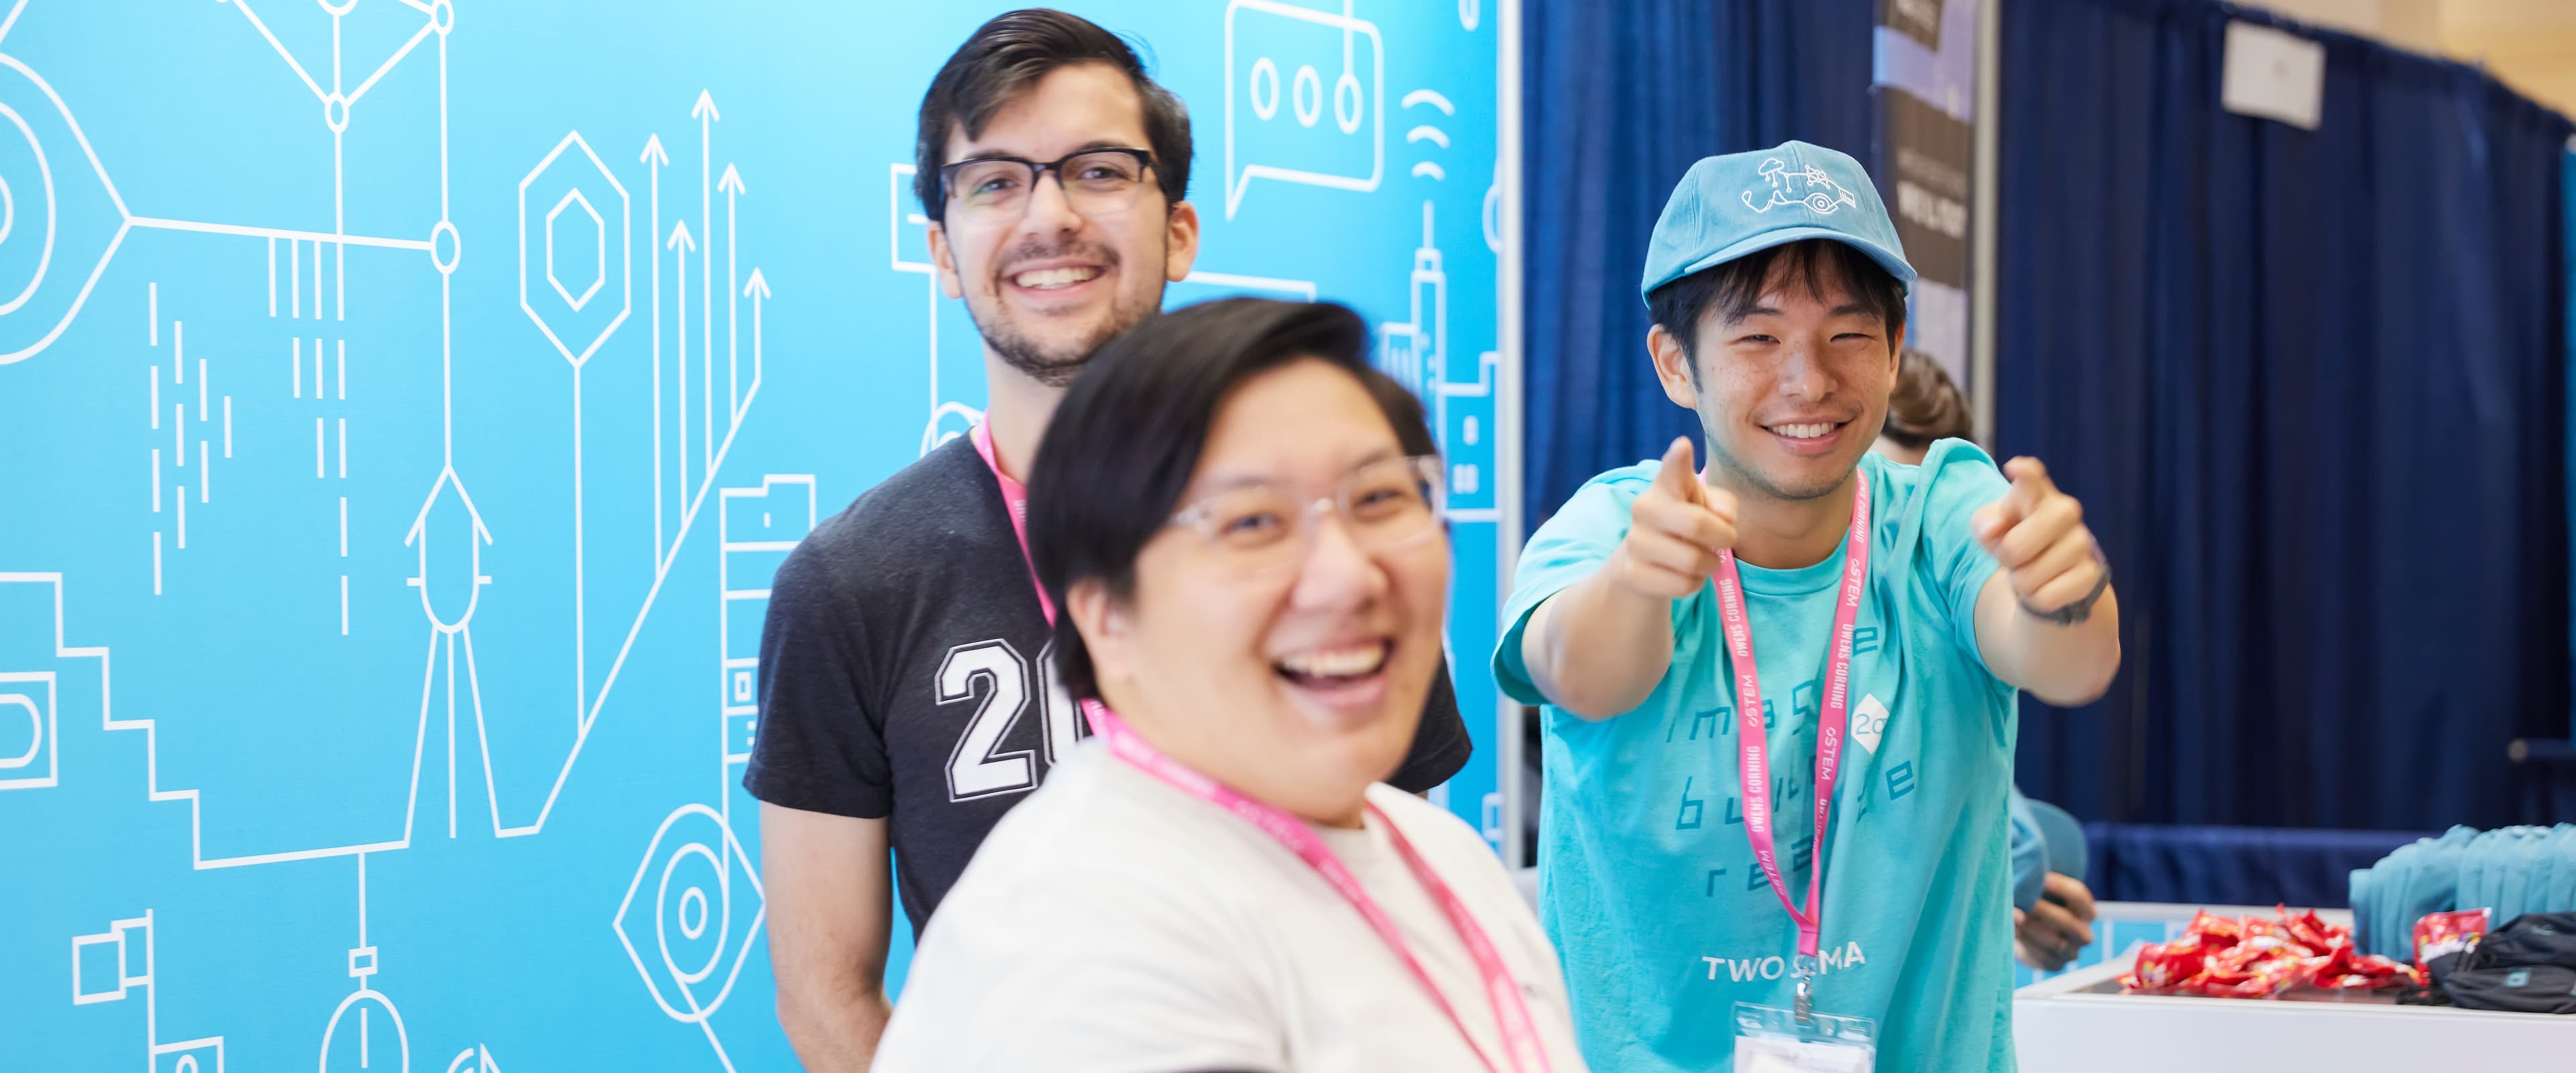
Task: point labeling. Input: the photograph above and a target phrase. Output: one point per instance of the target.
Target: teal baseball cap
(1741, 203)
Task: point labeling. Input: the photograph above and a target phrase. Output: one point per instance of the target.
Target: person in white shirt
(1240, 521)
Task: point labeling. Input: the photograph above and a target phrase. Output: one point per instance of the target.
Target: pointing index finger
(2030, 481)
(2024, 467)
(1677, 475)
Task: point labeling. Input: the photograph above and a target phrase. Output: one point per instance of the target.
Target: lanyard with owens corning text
(1511, 1015)
(1753, 762)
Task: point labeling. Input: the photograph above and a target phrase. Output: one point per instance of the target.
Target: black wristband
(2082, 609)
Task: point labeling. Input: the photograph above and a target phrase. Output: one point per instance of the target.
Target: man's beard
(1056, 365)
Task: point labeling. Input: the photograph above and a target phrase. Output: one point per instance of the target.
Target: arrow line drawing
(705, 111)
(682, 244)
(731, 184)
(654, 160)
(758, 291)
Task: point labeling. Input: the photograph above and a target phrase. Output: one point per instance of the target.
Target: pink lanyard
(1511, 1015)
(1015, 496)
(1753, 760)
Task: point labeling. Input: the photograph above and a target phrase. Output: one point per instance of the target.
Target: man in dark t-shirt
(908, 674)
(908, 691)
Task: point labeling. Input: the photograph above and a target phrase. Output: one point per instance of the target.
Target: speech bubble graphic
(1304, 99)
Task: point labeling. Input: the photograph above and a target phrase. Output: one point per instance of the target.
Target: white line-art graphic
(1416, 353)
(42, 725)
(1328, 150)
(476, 1059)
(949, 418)
(32, 697)
(439, 20)
(1810, 187)
(565, 225)
(352, 1033)
(705, 908)
(186, 440)
(755, 529)
(355, 1042)
(575, 287)
(452, 639)
(1426, 132)
(1303, 289)
(111, 965)
(1313, 115)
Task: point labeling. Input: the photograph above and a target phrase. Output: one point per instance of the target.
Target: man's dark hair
(1122, 445)
(1925, 406)
(1007, 56)
(1732, 289)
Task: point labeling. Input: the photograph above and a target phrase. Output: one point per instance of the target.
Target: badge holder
(1769, 1039)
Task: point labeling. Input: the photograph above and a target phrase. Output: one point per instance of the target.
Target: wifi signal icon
(1425, 132)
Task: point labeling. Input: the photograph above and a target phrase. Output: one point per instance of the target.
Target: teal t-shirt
(1646, 880)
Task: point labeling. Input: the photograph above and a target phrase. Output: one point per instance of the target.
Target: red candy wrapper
(2163, 967)
(2316, 933)
(2215, 933)
(2447, 933)
(2254, 957)
(2367, 972)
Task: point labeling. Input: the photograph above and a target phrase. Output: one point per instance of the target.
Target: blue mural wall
(403, 404)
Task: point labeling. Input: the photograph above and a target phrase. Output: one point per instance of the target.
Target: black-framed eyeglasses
(1096, 182)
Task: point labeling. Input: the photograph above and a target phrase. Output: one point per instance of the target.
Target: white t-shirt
(1115, 923)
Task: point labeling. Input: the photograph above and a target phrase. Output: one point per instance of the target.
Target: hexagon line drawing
(599, 268)
(450, 628)
(578, 355)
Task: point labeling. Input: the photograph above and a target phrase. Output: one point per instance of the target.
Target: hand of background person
(2037, 534)
(1675, 530)
(2057, 926)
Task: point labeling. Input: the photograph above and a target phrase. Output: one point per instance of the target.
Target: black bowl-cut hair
(1120, 450)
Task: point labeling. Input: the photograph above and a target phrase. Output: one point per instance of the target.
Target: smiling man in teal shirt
(1778, 290)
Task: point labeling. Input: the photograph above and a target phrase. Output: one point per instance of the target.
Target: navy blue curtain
(2232, 865)
(2311, 388)
(1618, 99)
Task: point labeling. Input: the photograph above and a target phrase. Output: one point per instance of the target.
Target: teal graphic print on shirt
(1647, 882)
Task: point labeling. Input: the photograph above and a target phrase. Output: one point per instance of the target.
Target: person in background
(1240, 519)
(1858, 656)
(1923, 408)
(2052, 911)
(908, 693)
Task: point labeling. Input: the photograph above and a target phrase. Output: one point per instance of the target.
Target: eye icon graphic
(61, 219)
(691, 913)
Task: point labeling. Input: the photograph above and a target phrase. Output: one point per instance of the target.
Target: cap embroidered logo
(1810, 187)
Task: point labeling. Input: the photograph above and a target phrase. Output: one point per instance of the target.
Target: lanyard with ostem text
(1511, 1015)
(1753, 764)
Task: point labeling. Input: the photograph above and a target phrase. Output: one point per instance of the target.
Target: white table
(2081, 1022)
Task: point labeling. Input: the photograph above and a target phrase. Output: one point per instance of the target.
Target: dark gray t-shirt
(908, 674)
